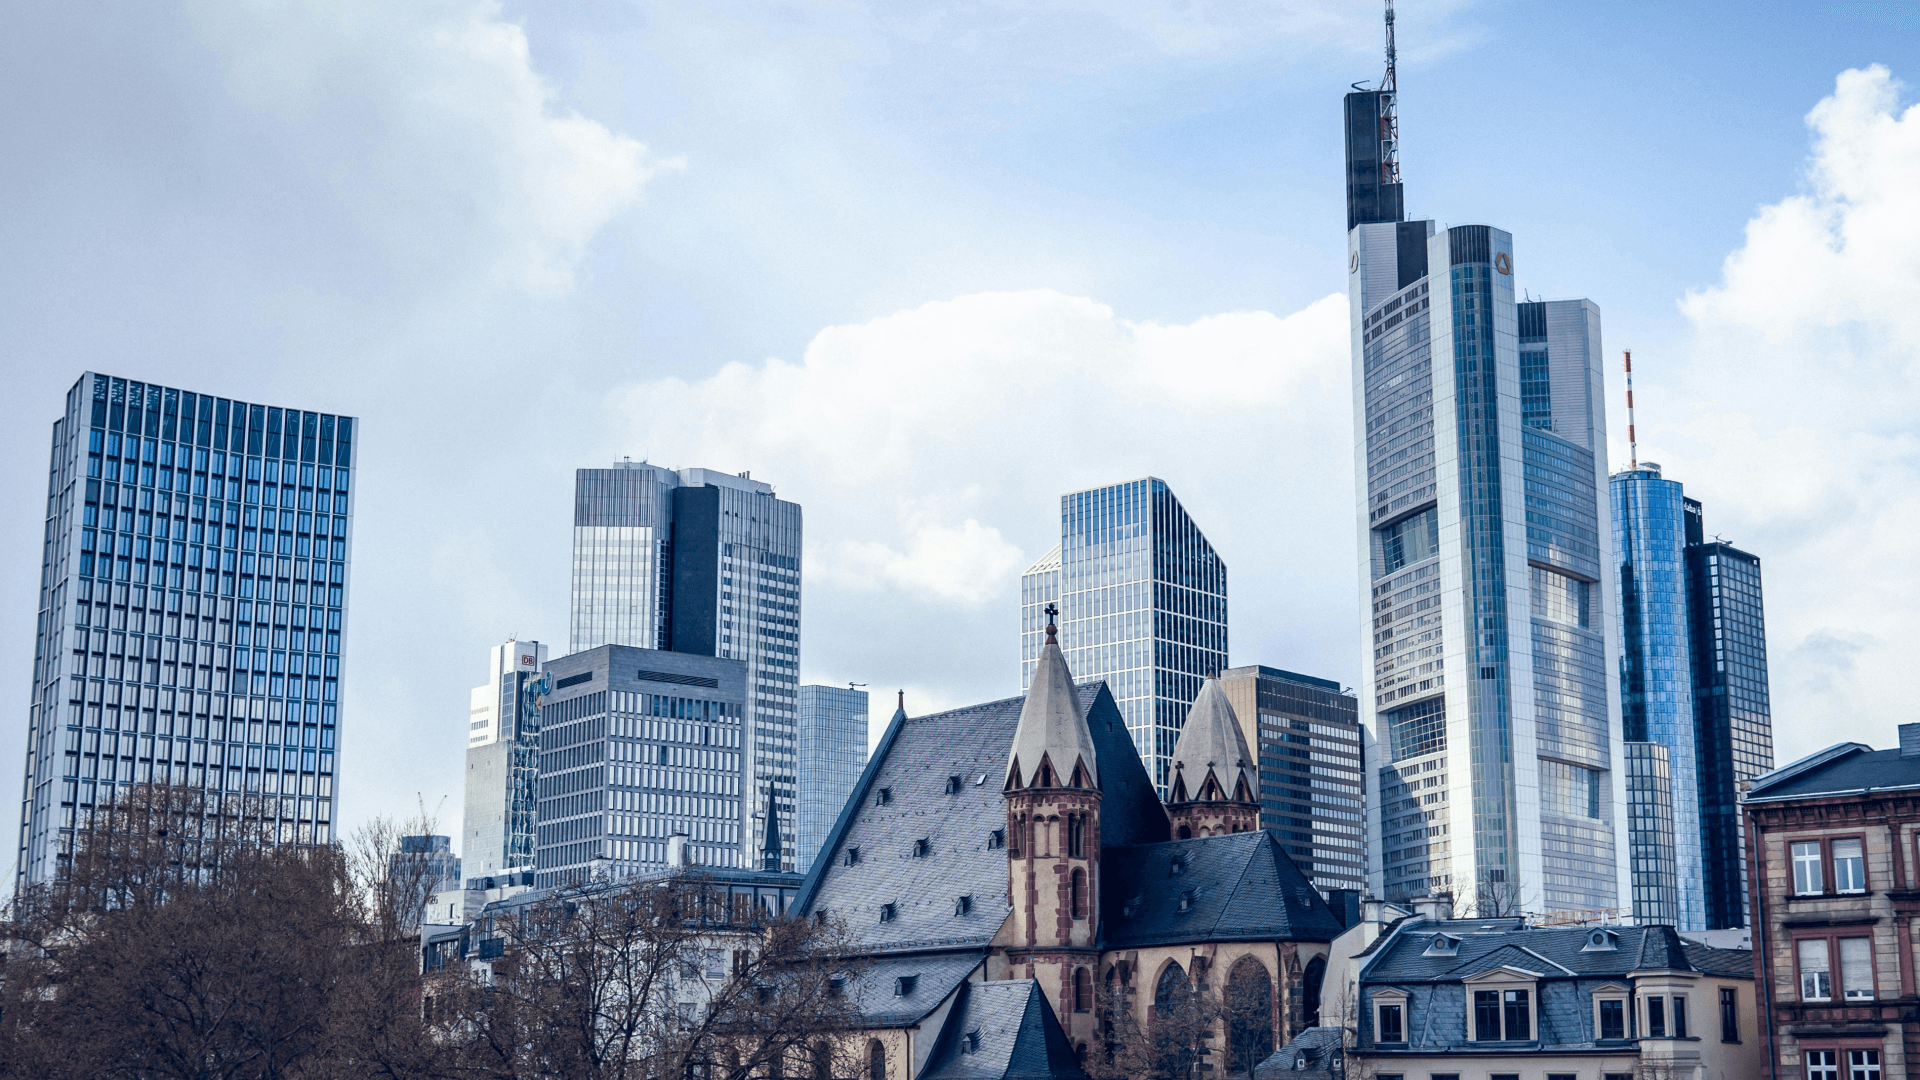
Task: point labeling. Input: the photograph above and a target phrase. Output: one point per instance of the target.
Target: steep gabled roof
(1211, 745)
(1003, 1031)
(1235, 887)
(1052, 730)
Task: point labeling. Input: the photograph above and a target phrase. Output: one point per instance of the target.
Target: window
(1562, 1076)
(853, 856)
(953, 785)
(1514, 1004)
(997, 839)
(1816, 982)
(1076, 830)
(905, 985)
(1806, 869)
(1443, 1076)
(1486, 1015)
(1679, 1016)
(1082, 990)
(1504, 1076)
(922, 847)
(1656, 1018)
(1613, 1019)
(876, 1060)
(1856, 968)
(1616, 1076)
(888, 912)
(1729, 1014)
(1849, 867)
(1079, 890)
(1863, 1065)
(1821, 1066)
(1392, 1028)
(884, 798)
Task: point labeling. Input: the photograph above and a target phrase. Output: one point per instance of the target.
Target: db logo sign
(526, 661)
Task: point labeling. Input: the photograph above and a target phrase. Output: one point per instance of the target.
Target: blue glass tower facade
(833, 750)
(191, 607)
(1656, 679)
(1143, 605)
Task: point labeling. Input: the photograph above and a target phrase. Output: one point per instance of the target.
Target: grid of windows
(1311, 789)
(191, 609)
(1656, 886)
(833, 750)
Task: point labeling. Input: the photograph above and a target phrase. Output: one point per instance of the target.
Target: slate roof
(876, 989)
(913, 762)
(1316, 1044)
(1554, 951)
(1211, 742)
(1052, 727)
(1239, 887)
(1841, 769)
(1002, 1030)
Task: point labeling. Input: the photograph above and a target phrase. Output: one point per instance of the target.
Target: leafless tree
(1173, 1043)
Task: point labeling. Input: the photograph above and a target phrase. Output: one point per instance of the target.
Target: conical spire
(1052, 746)
(770, 851)
(1212, 745)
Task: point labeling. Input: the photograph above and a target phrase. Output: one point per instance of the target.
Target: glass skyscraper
(1656, 684)
(708, 563)
(1480, 468)
(503, 762)
(1733, 716)
(1143, 604)
(833, 750)
(191, 606)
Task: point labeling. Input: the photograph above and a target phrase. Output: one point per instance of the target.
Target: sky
(925, 267)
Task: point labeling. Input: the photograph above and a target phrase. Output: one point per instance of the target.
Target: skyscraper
(833, 750)
(1656, 687)
(1733, 714)
(638, 746)
(707, 563)
(191, 606)
(1143, 605)
(503, 761)
(1480, 467)
(1306, 732)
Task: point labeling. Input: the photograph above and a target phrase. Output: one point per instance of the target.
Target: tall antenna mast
(1389, 112)
(1633, 441)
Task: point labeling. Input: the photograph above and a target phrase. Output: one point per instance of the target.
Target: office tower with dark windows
(637, 747)
(1656, 691)
(1142, 600)
(1481, 465)
(503, 761)
(1312, 793)
(705, 563)
(1733, 714)
(833, 750)
(191, 605)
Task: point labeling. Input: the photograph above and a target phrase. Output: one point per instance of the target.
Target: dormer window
(922, 847)
(1442, 945)
(904, 985)
(888, 912)
(953, 785)
(884, 797)
(1187, 899)
(1599, 940)
(853, 856)
(996, 839)
(963, 906)
(980, 781)
(1178, 866)
(970, 1042)
(1127, 909)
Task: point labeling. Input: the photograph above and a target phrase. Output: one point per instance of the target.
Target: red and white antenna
(1633, 441)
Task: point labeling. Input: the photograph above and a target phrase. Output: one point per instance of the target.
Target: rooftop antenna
(1389, 112)
(1633, 440)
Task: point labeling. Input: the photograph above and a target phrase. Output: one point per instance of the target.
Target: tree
(1175, 1039)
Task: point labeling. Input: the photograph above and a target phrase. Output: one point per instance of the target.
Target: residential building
(705, 563)
(1142, 600)
(191, 603)
(1733, 714)
(1481, 471)
(833, 750)
(1435, 996)
(1014, 855)
(503, 762)
(1835, 844)
(643, 765)
(1312, 792)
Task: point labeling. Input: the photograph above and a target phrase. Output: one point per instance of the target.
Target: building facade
(499, 811)
(192, 603)
(1733, 714)
(1480, 465)
(833, 750)
(1142, 599)
(1834, 843)
(705, 563)
(639, 747)
(1312, 792)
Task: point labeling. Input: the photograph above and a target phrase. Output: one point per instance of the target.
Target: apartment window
(1392, 1026)
(1616, 1076)
(1563, 1076)
(1849, 866)
(1517, 1014)
(1863, 1065)
(1821, 1065)
(1729, 1014)
(1502, 1015)
(1816, 981)
(1656, 1018)
(1486, 1015)
(1443, 1076)
(1856, 969)
(1504, 1076)
(1613, 1018)
(1807, 880)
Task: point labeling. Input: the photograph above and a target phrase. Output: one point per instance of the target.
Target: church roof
(1233, 887)
(1003, 1030)
(1053, 726)
(1212, 744)
(901, 991)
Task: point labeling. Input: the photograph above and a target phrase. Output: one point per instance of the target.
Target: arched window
(1310, 981)
(1249, 1009)
(1171, 990)
(822, 1061)
(1185, 833)
(1082, 990)
(1079, 888)
(876, 1060)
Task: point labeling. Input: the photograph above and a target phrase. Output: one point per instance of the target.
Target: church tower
(1211, 784)
(1053, 843)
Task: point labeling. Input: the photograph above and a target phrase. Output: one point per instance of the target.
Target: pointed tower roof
(770, 851)
(1052, 727)
(1211, 743)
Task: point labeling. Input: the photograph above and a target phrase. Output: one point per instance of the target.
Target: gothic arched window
(1082, 990)
(876, 1060)
(1249, 1009)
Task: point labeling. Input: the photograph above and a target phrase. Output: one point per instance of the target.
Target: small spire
(1053, 632)
(901, 704)
(770, 851)
(1052, 746)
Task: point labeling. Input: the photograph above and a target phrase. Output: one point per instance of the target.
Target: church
(997, 864)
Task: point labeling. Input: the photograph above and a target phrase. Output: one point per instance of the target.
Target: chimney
(1434, 908)
(1910, 740)
(677, 851)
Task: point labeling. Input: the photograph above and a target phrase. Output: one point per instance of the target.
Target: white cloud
(429, 126)
(1802, 418)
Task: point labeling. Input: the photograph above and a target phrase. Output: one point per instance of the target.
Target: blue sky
(924, 267)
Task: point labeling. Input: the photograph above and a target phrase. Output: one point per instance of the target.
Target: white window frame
(1614, 992)
(1801, 859)
(1500, 980)
(1393, 999)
